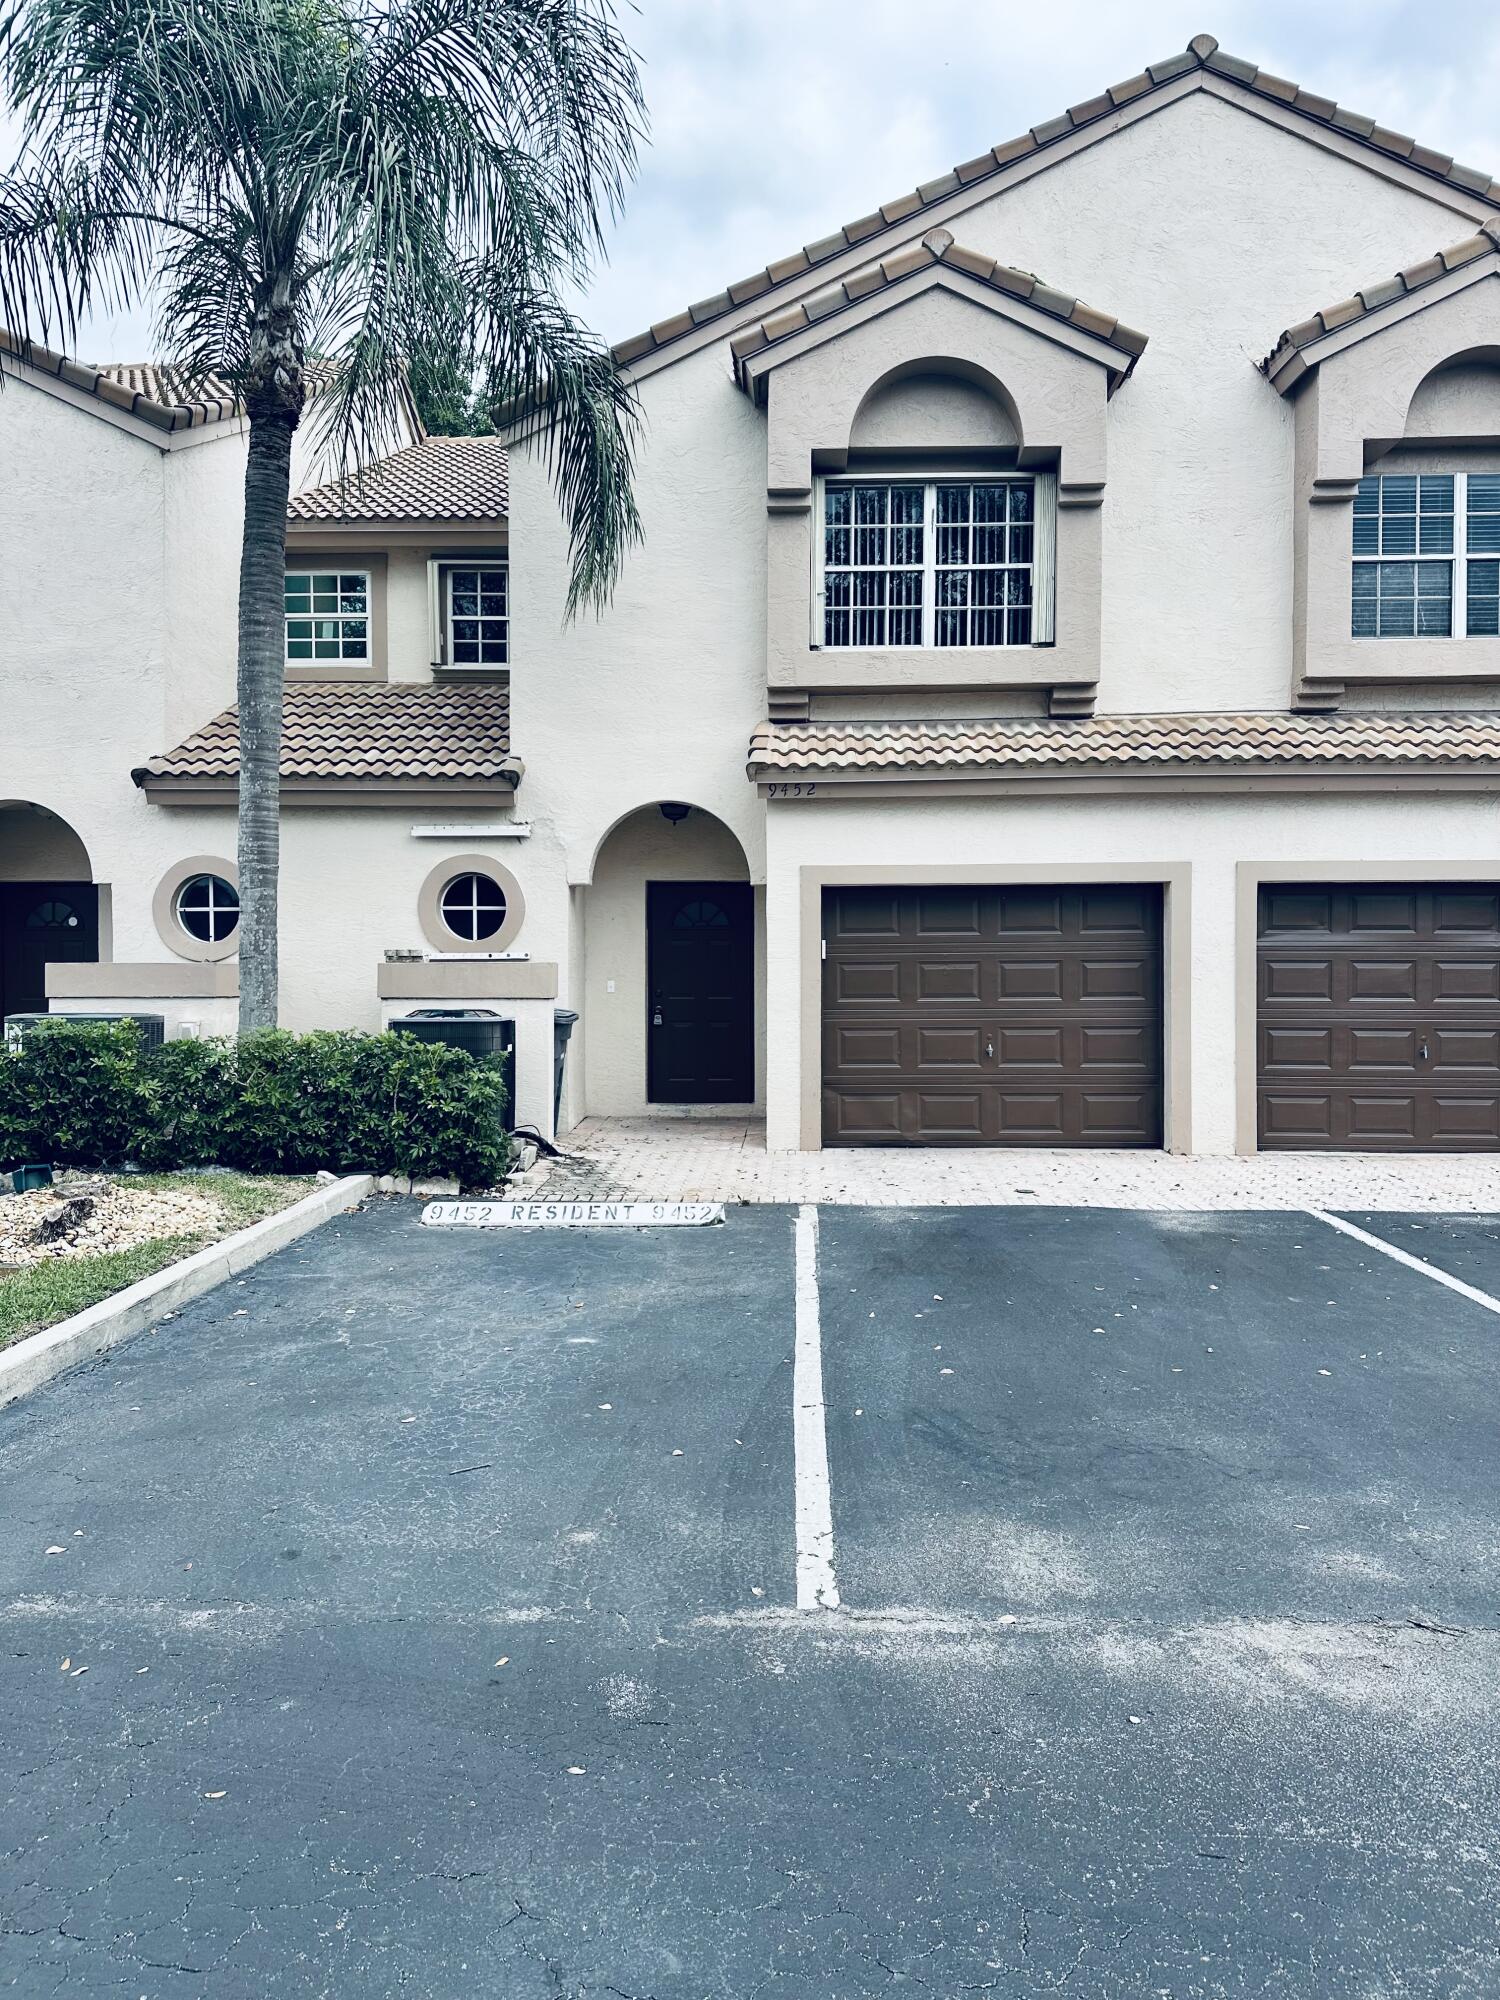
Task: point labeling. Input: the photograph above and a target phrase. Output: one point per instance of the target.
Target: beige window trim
(429, 904)
(373, 562)
(170, 930)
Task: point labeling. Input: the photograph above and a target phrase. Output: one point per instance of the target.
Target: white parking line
(817, 1587)
(1405, 1257)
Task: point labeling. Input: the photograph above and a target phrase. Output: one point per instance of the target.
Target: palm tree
(362, 183)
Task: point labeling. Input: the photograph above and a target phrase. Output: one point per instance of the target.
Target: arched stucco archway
(639, 915)
(49, 903)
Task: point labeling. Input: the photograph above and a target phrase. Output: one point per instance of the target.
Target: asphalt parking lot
(431, 1617)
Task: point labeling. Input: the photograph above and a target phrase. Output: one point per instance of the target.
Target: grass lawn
(44, 1293)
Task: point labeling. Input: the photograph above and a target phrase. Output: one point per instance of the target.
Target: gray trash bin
(563, 1019)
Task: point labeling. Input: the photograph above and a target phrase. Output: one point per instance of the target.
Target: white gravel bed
(123, 1216)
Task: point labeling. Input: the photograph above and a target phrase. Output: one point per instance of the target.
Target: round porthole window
(473, 907)
(208, 908)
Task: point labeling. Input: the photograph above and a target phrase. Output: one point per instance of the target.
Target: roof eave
(499, 787)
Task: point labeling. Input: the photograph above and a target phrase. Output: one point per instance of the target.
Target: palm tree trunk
(262, 655)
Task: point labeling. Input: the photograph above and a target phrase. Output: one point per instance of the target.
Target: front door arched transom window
(52, 915)
(700, 916)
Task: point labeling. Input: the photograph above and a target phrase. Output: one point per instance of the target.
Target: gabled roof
(143, 389)
(937, 247)
(1284, 364)
(357, 735)
(440, 479)
(1203, 56)
(1134, 741)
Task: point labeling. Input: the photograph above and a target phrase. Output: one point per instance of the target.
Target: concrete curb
(40, 1357)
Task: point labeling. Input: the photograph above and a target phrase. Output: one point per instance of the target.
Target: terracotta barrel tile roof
(440, 479)
(938, 247)
(1388, 737)
(1485, 242)
(1202, 54)
(157, 395)
(345, 731)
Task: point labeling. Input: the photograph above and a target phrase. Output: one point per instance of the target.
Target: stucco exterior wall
(1203, 842)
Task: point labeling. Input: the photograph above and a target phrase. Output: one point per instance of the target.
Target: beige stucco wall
(1206, 837)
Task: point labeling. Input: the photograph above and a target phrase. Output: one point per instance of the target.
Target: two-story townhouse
(1121, 678)
(1124, 673)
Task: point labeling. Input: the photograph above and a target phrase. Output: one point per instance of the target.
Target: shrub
(94, 1095)
(76, 1095)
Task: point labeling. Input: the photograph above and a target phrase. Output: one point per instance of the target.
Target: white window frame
(1043, 552)
(341, 661)
(1457, 560)
(440, 569)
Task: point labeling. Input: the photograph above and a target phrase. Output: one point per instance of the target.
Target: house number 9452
(791, 791)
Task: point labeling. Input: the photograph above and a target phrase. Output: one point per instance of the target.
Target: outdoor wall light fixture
(673, 810)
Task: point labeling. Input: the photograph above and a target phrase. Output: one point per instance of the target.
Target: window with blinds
(1427, 556)
(936, 563)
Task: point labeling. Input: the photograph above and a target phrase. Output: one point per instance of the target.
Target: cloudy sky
(773, 123)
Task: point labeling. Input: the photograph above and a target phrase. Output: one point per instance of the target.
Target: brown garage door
(1379, 1016)
(992, 1016)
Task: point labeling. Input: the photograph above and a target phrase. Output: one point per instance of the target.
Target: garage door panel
(1381, 979)
(1029, 1048)
(1116, 1118)
(947, 979)
(1030, 913)
(1288, 911)
(1464, 1121)
(1106, 980)
(866, 982)
(1393, 911)
(947, 913)
(954, 1047)
(1304, 1049)
(1378, 1025)
(1047, 1032)
(1030, 979)
(1294, 981)
(863, 1047)
(1129, 1048)
(1466, 910)
(952, 1117)
(1475, 1049)
(1464, 981)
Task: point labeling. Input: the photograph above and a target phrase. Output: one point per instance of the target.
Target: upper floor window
(936, 563)
(1427, 556)
(327, 616)
(478, 615)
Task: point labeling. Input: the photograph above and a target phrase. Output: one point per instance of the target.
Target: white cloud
(773, 124)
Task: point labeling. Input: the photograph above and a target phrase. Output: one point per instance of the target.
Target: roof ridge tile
(1201, 54)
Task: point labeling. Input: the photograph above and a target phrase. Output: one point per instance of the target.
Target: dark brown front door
(700, 980)
(992, 1016)
(42, 923)
(1379, 1016)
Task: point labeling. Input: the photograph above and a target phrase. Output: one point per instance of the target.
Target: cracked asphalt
(417, 1617)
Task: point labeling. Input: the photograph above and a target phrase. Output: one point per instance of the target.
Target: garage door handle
(1422, 1053)
(989, 1049)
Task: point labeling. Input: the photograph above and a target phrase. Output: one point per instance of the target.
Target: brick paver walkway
(717, 1159)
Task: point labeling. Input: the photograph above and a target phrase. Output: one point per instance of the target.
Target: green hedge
(94, 1095)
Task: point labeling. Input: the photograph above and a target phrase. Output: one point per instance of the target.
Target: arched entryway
(49, 904)
(671, 955)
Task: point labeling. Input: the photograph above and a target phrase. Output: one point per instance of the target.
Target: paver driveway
(1165, 1664)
